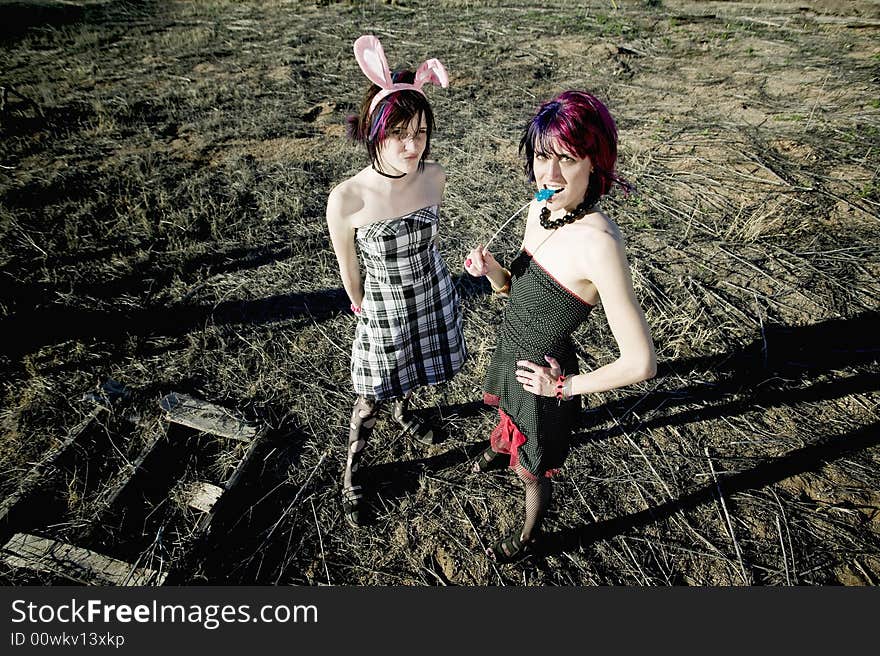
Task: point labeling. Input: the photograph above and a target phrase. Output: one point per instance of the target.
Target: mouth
(555, 191)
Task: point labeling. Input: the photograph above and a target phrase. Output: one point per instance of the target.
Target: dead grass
(164, 173)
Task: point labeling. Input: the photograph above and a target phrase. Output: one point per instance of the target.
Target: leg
(413, 426)
(490, 459)
(538, 492)
(363, 418)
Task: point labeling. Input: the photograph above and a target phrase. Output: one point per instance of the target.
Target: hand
(539, 380)
(478, 261)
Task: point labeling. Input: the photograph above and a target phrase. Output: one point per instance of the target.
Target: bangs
(556, 136)
(399, 109)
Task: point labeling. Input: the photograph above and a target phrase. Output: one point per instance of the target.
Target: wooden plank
(75, 563)
(206, 417)
(205, 520)
(41, 472)
(201, 495)
(128, 472)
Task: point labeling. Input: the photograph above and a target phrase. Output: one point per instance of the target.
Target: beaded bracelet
(505, 288)
(563, 388)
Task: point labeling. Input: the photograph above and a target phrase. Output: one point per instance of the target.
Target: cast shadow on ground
(30, 328)
(808, 458)
(778, 369)
(787, 365)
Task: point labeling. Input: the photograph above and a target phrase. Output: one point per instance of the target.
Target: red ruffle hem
(507, 438)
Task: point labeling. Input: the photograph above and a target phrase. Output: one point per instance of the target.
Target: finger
(529, 365)
(554, 365)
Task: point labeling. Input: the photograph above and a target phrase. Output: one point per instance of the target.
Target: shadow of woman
(783, 367)
(808, 458)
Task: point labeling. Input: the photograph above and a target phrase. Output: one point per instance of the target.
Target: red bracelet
(560, 391)
(356, 309)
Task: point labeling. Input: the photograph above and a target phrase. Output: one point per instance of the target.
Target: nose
(410, 143)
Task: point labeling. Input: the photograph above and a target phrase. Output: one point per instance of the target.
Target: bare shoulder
(344, 200)
(434, 169)
(434, 174)
(601, 234)
(602, 244)
(434, 181)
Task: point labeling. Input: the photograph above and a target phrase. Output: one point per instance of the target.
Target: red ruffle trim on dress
(507, 438)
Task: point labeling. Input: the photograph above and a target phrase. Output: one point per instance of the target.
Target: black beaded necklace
(577, 213)
(388, 175)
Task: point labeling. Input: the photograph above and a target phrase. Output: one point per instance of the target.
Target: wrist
(563, 388)
(504, 288)
(356, 309)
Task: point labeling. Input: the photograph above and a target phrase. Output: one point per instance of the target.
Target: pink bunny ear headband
(371, 58)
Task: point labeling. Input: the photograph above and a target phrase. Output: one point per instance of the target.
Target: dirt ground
(164, 168)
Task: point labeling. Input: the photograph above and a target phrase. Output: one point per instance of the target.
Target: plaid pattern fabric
(409, 333)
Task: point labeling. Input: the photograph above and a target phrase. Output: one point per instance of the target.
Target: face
(402, 148)
(561, 169)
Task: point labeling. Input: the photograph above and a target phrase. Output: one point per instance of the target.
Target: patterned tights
(363, 418)
(538, 494)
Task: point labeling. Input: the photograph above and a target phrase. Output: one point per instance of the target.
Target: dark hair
(395, 109)
(579, 121)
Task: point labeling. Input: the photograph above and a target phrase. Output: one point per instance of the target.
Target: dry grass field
(164, 168)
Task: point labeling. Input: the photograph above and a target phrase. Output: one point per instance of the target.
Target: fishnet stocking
(538, 494)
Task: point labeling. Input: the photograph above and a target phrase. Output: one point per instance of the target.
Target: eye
(541, 156)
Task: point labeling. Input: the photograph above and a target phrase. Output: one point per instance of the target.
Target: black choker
(577, 213)
(388, 175)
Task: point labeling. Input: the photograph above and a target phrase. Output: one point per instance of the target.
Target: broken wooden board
(206, 417)
(127, 473)
(40, 474)
(75, 563)
(201, 495)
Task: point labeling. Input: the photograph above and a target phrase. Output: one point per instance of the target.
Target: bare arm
(610, 272)
(342, 238)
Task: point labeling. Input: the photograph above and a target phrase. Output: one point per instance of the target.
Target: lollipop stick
(504, 225)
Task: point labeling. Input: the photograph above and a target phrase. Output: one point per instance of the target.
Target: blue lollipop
(541, 195)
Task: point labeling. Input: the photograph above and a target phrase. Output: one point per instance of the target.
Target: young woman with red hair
(572, 257)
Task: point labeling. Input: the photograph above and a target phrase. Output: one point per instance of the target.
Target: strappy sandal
(352, 498)
(417, 428)
(511, 549)
(489, 460)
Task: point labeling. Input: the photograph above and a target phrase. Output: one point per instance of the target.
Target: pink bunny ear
(371, 58)
(431, 71)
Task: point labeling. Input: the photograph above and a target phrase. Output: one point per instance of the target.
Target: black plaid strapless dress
(409, 333)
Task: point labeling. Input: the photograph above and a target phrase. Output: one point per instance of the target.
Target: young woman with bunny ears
(409, 326)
